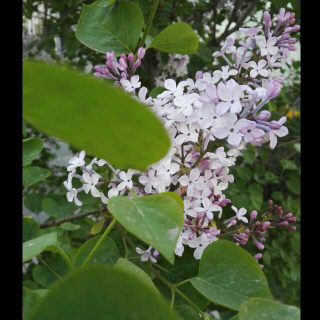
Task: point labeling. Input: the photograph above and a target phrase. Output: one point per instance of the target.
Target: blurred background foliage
(261, 174)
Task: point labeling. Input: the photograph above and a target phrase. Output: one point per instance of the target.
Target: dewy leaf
(229, 275)
(93, 116)
(107, 253)
(47, 242)
(31, 148)
(264, 309)
(115, 28)
(126, 265)
(104, 293)
(157, 220)
(177, 38)
(33, 175)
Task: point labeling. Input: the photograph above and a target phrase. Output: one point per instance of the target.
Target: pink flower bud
(124, 57)
(292, 48)
(288, 215)
(292, 20)
(98, 68)
(283, 224)
(253, 214)
(110, 56)
(137, 64)
(123, 75)
(258, 244)
(266, 17)
(264, 115)
(295, 28)
(156, 253)
(258, 256)
(199, 75)
(292, 40)
(222, 204)
(274, 125)
(292, 228)
(292, 220)
(288, 30)
(262, 239)
(130, 57)
(261, 266)
(265, 226)
(227, 201)
(187, 221)
(141, 53)
(247, 231)
(270, 203)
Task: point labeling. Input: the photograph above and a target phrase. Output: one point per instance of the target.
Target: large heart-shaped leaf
(31, 148)
(263, 309)
(115, 28)
(30, 301)
(157, 220)
(229, 275)
(47, 242)
(104, 293)
(107, 252)
(92, 115)
(177, 38)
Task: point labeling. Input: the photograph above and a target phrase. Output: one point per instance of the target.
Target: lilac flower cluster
(224, 105)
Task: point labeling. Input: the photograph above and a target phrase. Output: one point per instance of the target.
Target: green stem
(95, 248)
(148, 24)
(173, 295)
(183, 282)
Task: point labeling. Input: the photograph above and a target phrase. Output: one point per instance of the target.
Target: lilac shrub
(200, 114)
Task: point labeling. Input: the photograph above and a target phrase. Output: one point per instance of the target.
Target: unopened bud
(274, 125)
(227, 201)
(288, 215)
(265, 226)
(266, 17)
(292, 48)
(199, 75)
(292, 40)
(259, 245)
(130, 57)
(141, 53)
(270, 203)
(292, 220)
(283, 224)
(156, 253)
(98, 68)
(264, 115)
(292, 228)
(295, 28)
(262, 239)
(288, 30)
(253, 214)
(258, 256)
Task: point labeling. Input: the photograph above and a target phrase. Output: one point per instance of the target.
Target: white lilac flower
(240, 214)
(148, 181)
(187, 134)
(250, 131)
(179, 247)
(230, 97)
(142, 96)
(189, 207)
(192, 182)
(200, 243)
(268, 47)
(208, 208)
(165, 169)
(273, 134)
(146, 255)
(210, 95)
(224, 74)
(77, 161)
(131, 85)
(72, 194)
(258, 68)
(184, 103)
(172, 88)
(219, 158)
(126, 180)
(90, 182)
(230, 129)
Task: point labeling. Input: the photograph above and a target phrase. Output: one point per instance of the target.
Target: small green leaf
(244, 173)
(115, 28)
(92, 115)
(288, 164)
(126, 265)
(107, 253)
(256, 200)
(186, 312)
(31, 300)
(294, 183)
(47, 242)
(177, 38)
(104, 293)
(69, 226)
(30, 228)
(263, 309)
(157, 220)
(33, 175)
(96, 228)
(58, 206)
(31, 148)
(229, 275)
(33, 202)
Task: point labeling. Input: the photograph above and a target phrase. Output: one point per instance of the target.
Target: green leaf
(58, 206)
(294, 183)
(33, 175)
(186, 312)
(93, 116)
(244, 173)
(264, 309)
(31, 299)
(129, 267)
(31, 148)
(155, 91)
(157, 220)
(256, 200)
(229, 275)
(107, 253)
(110, 28)
(177, 38)
(96, 228)
(33, 202)
(30, 228)
(69, 226)
(47, 242)
(288, 164)
(104, 293)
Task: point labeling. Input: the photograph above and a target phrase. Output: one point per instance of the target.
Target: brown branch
(54, 223)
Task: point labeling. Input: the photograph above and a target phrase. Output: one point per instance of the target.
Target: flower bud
(265, 226)
(288, 215)
(266, 17)
(199, 75)
(98, 68)
(292, 48)
(262, 239)
(283, 224)
(141, 53)
(292, 40)
(130, 57)
(227, 201)
(270, 203)
(295, 28)
(124, 57)
(261, 266)
(292, 220)
(253, 214)
(258, 244)
(110, 56)
(288, 30)
(274, 125)
(292, 228)
(258, 256)
(156, 253)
